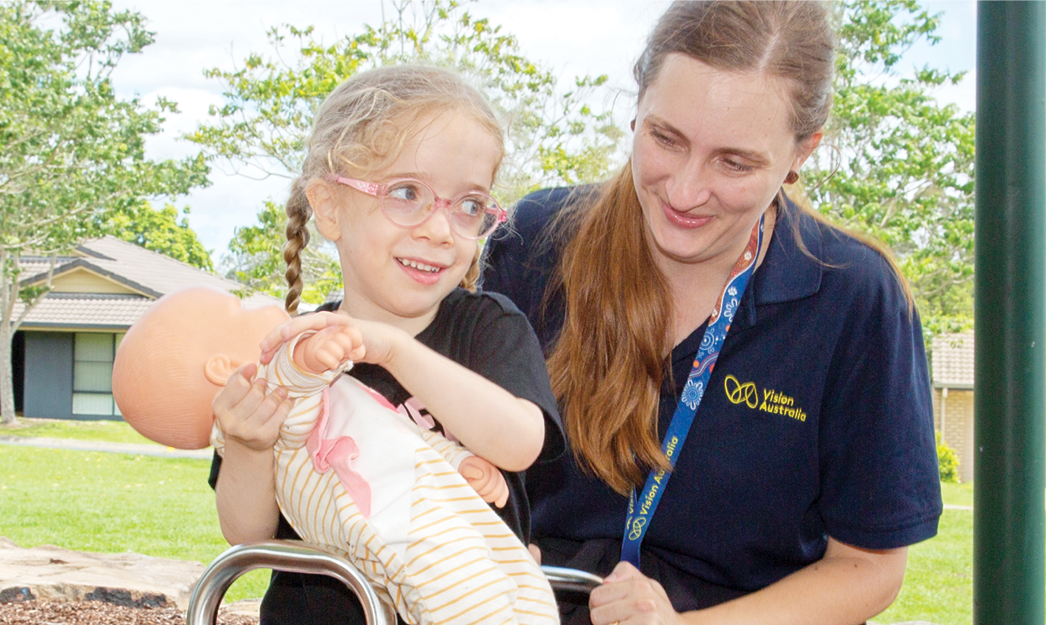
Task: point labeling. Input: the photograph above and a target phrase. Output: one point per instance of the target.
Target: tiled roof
(85, 310)
(149, 273)
(953, 360)
(140, 269)
(38, 265)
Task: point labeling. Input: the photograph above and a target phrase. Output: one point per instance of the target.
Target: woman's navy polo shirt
(817, 422)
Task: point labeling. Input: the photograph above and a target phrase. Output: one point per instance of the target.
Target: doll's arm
(485, 478)
(308, 362)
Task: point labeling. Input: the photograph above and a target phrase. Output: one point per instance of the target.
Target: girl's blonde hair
(609, 363)
(361, 128)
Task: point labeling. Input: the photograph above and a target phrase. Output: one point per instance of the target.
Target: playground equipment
(299, 557)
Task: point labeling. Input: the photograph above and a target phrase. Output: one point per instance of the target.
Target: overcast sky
(569, 37)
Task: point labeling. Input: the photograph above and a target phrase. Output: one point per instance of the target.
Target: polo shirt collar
(787, 272)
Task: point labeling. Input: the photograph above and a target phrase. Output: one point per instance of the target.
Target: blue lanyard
(641, 509)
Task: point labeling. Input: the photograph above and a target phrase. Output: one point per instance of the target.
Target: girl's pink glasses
(408, 203)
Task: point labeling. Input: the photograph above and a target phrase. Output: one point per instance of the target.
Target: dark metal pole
(1009, 579)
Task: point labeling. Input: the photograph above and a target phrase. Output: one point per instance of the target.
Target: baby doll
(353, 474)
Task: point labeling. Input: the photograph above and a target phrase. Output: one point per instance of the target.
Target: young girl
(398, 172)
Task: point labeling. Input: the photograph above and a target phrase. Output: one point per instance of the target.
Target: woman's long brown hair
(607, 365)
(611, 358)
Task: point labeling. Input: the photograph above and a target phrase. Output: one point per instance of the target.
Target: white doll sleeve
(453, 452)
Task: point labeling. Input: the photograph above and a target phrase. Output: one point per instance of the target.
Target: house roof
(87, 311)
(139, 269)
(952, 361)
(136, 276)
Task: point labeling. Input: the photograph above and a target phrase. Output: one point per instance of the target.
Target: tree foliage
(553, 135)
(904, 161)
(256, 258)
(159, 230)
(74, 153)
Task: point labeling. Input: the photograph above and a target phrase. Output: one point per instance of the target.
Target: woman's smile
(710, 151)
(685, 219)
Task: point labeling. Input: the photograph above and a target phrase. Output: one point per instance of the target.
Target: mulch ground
(44, 612)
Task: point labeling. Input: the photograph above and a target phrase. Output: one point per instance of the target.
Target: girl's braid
(298, 214)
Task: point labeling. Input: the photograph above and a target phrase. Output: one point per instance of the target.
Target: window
(93, 373)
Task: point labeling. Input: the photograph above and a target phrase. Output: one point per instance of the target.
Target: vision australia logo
(768, 401)
(739, 393)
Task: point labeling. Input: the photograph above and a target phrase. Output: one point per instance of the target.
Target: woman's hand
(627, 597)
(248, 412)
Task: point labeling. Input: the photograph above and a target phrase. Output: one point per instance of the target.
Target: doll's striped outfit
(433, 548)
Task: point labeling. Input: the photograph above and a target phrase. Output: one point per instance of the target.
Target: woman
(810, 465)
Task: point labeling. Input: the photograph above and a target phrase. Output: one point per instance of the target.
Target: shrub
(947, 461)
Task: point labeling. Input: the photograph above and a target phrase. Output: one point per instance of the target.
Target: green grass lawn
(111, 503)
(163, 507)
(108, 431)
(938, 585)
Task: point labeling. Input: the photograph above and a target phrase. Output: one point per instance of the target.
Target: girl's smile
(397, 274)
(425, 273)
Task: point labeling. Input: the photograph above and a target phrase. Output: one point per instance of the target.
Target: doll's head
(178, 356)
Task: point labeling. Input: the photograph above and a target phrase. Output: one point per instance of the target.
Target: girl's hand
(629, 597)
(535, 552)
(249, 413)
(485, 479)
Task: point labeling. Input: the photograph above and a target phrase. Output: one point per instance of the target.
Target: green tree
(73, 152)
(255, 258)
(159, 230)
(904, 165)
(553, 135)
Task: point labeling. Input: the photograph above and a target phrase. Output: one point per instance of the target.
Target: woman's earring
(633, 125)
(792, 177)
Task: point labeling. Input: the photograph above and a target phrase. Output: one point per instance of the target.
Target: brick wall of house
(958, 426)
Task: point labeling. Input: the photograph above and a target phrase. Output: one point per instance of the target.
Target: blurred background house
(62, 354)
(952, 373)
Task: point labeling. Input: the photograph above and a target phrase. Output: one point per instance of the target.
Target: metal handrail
(292, 556)
(300, 557)
(571, 579)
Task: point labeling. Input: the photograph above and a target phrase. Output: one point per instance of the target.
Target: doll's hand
(485, 479)
(329, 349)
(293, 327)
(250, 413)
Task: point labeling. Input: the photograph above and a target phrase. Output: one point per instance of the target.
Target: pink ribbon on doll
(338, 453)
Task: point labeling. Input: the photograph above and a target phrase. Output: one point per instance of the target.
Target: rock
(243, 607)
(123, 579)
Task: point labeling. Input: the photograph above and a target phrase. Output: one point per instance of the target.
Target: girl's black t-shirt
(484, 332)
